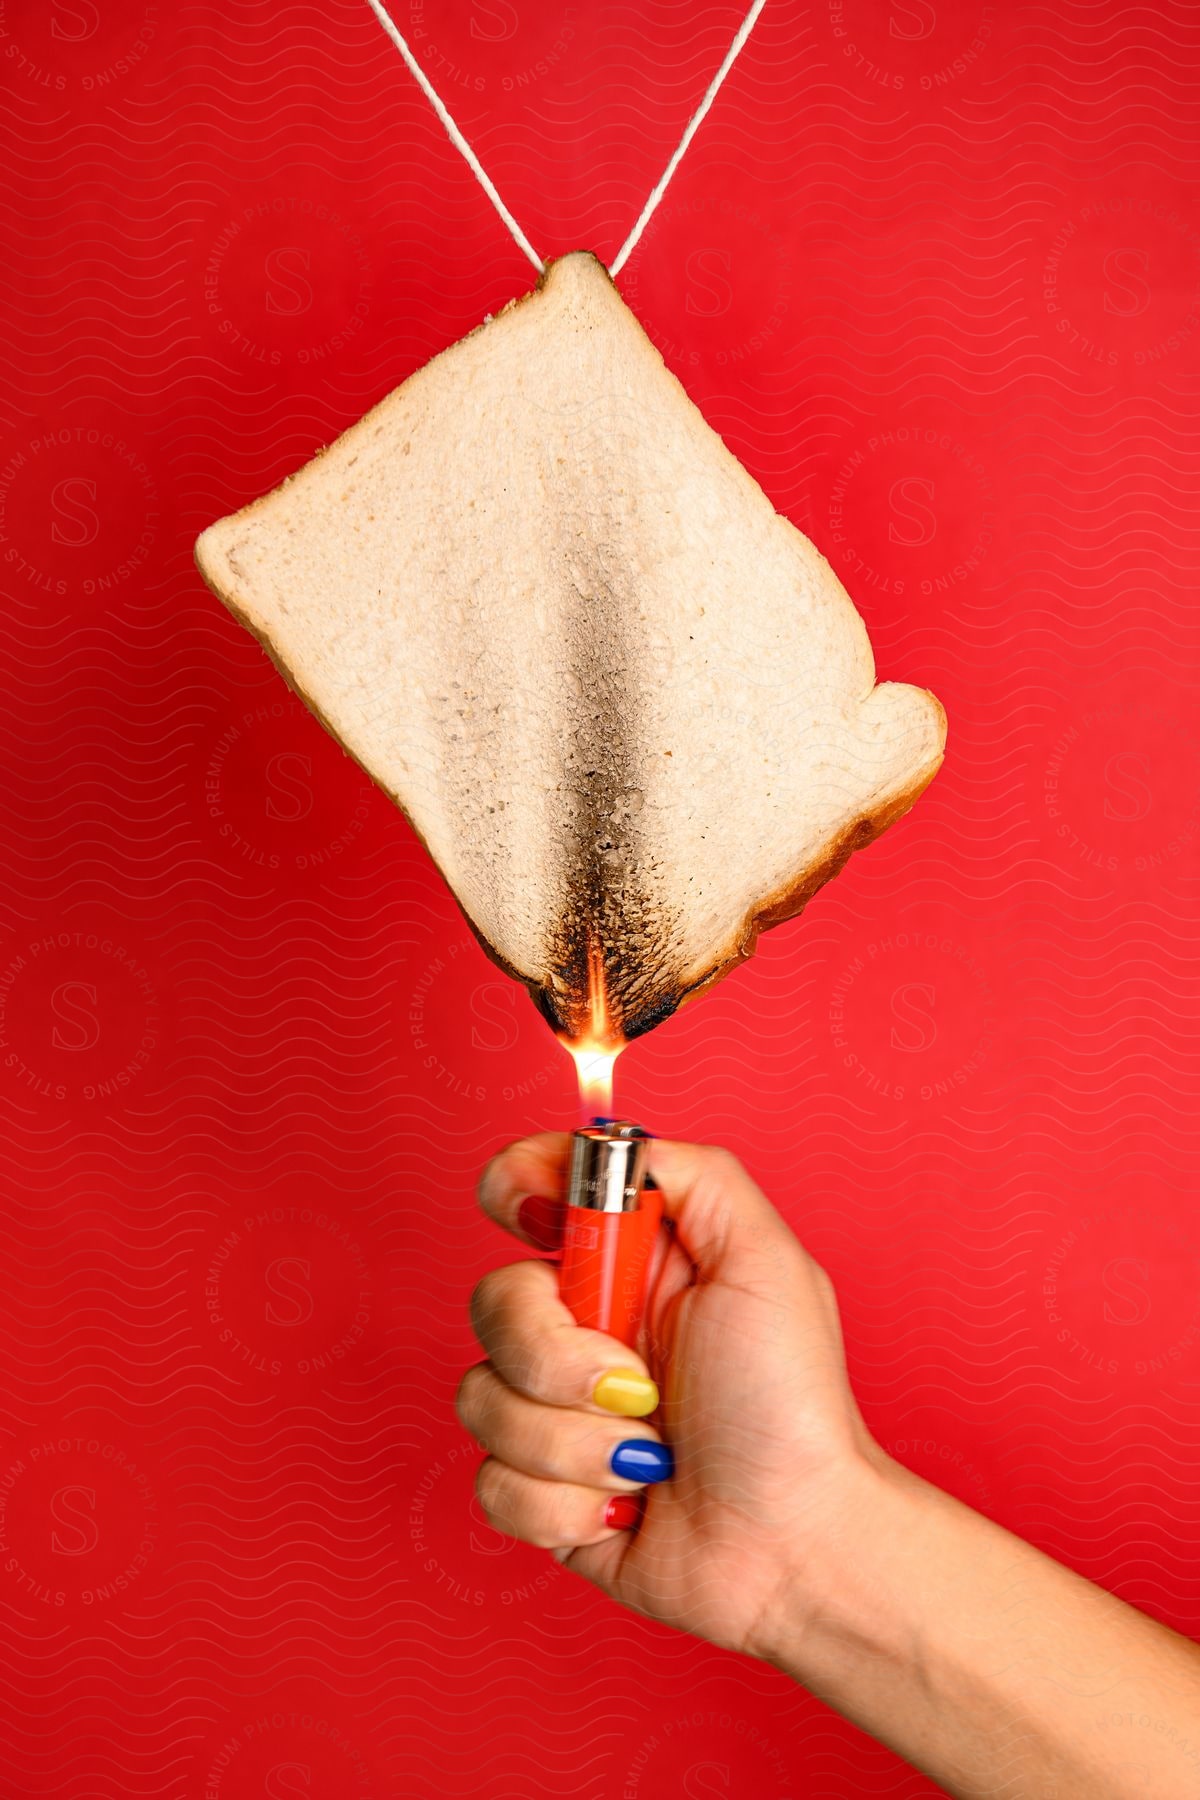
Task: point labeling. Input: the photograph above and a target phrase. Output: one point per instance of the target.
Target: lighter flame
(594, 1067)
(596, 1053)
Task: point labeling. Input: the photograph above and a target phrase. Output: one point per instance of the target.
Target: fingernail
(641, 1459)
(541, 1221)
(623, 1512)
(627, 1392)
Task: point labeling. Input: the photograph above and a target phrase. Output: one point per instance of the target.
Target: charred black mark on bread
(614, 915)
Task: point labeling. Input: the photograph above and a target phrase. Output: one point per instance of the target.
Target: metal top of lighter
(608, 1167)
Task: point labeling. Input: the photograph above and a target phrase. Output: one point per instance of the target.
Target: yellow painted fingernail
(626, 1392)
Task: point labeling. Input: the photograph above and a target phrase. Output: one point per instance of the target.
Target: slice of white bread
(629, 709)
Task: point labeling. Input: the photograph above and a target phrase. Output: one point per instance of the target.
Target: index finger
(533, 1167)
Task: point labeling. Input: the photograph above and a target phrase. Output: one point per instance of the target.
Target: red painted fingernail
(623, 1512)
(542, 1222)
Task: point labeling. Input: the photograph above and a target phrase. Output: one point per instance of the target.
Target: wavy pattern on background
(253, 1056)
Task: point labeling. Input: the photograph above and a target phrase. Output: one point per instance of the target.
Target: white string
(460, 143)
(714, 88)
(455, 135)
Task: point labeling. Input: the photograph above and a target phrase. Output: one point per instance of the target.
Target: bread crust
(789, 901)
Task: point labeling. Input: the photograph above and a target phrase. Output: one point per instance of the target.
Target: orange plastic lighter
(612, 1220)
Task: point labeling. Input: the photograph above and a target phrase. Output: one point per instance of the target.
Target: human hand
(741, 1337)
(784, 1531)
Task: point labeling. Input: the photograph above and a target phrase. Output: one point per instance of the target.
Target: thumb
(723, 1220)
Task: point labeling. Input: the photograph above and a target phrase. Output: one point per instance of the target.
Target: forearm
(985, 1663)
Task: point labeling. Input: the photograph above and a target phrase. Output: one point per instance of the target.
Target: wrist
(843, 1597)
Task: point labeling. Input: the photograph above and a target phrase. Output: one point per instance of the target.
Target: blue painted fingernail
(641, 1459)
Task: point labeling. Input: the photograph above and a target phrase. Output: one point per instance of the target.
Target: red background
(934, 273)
